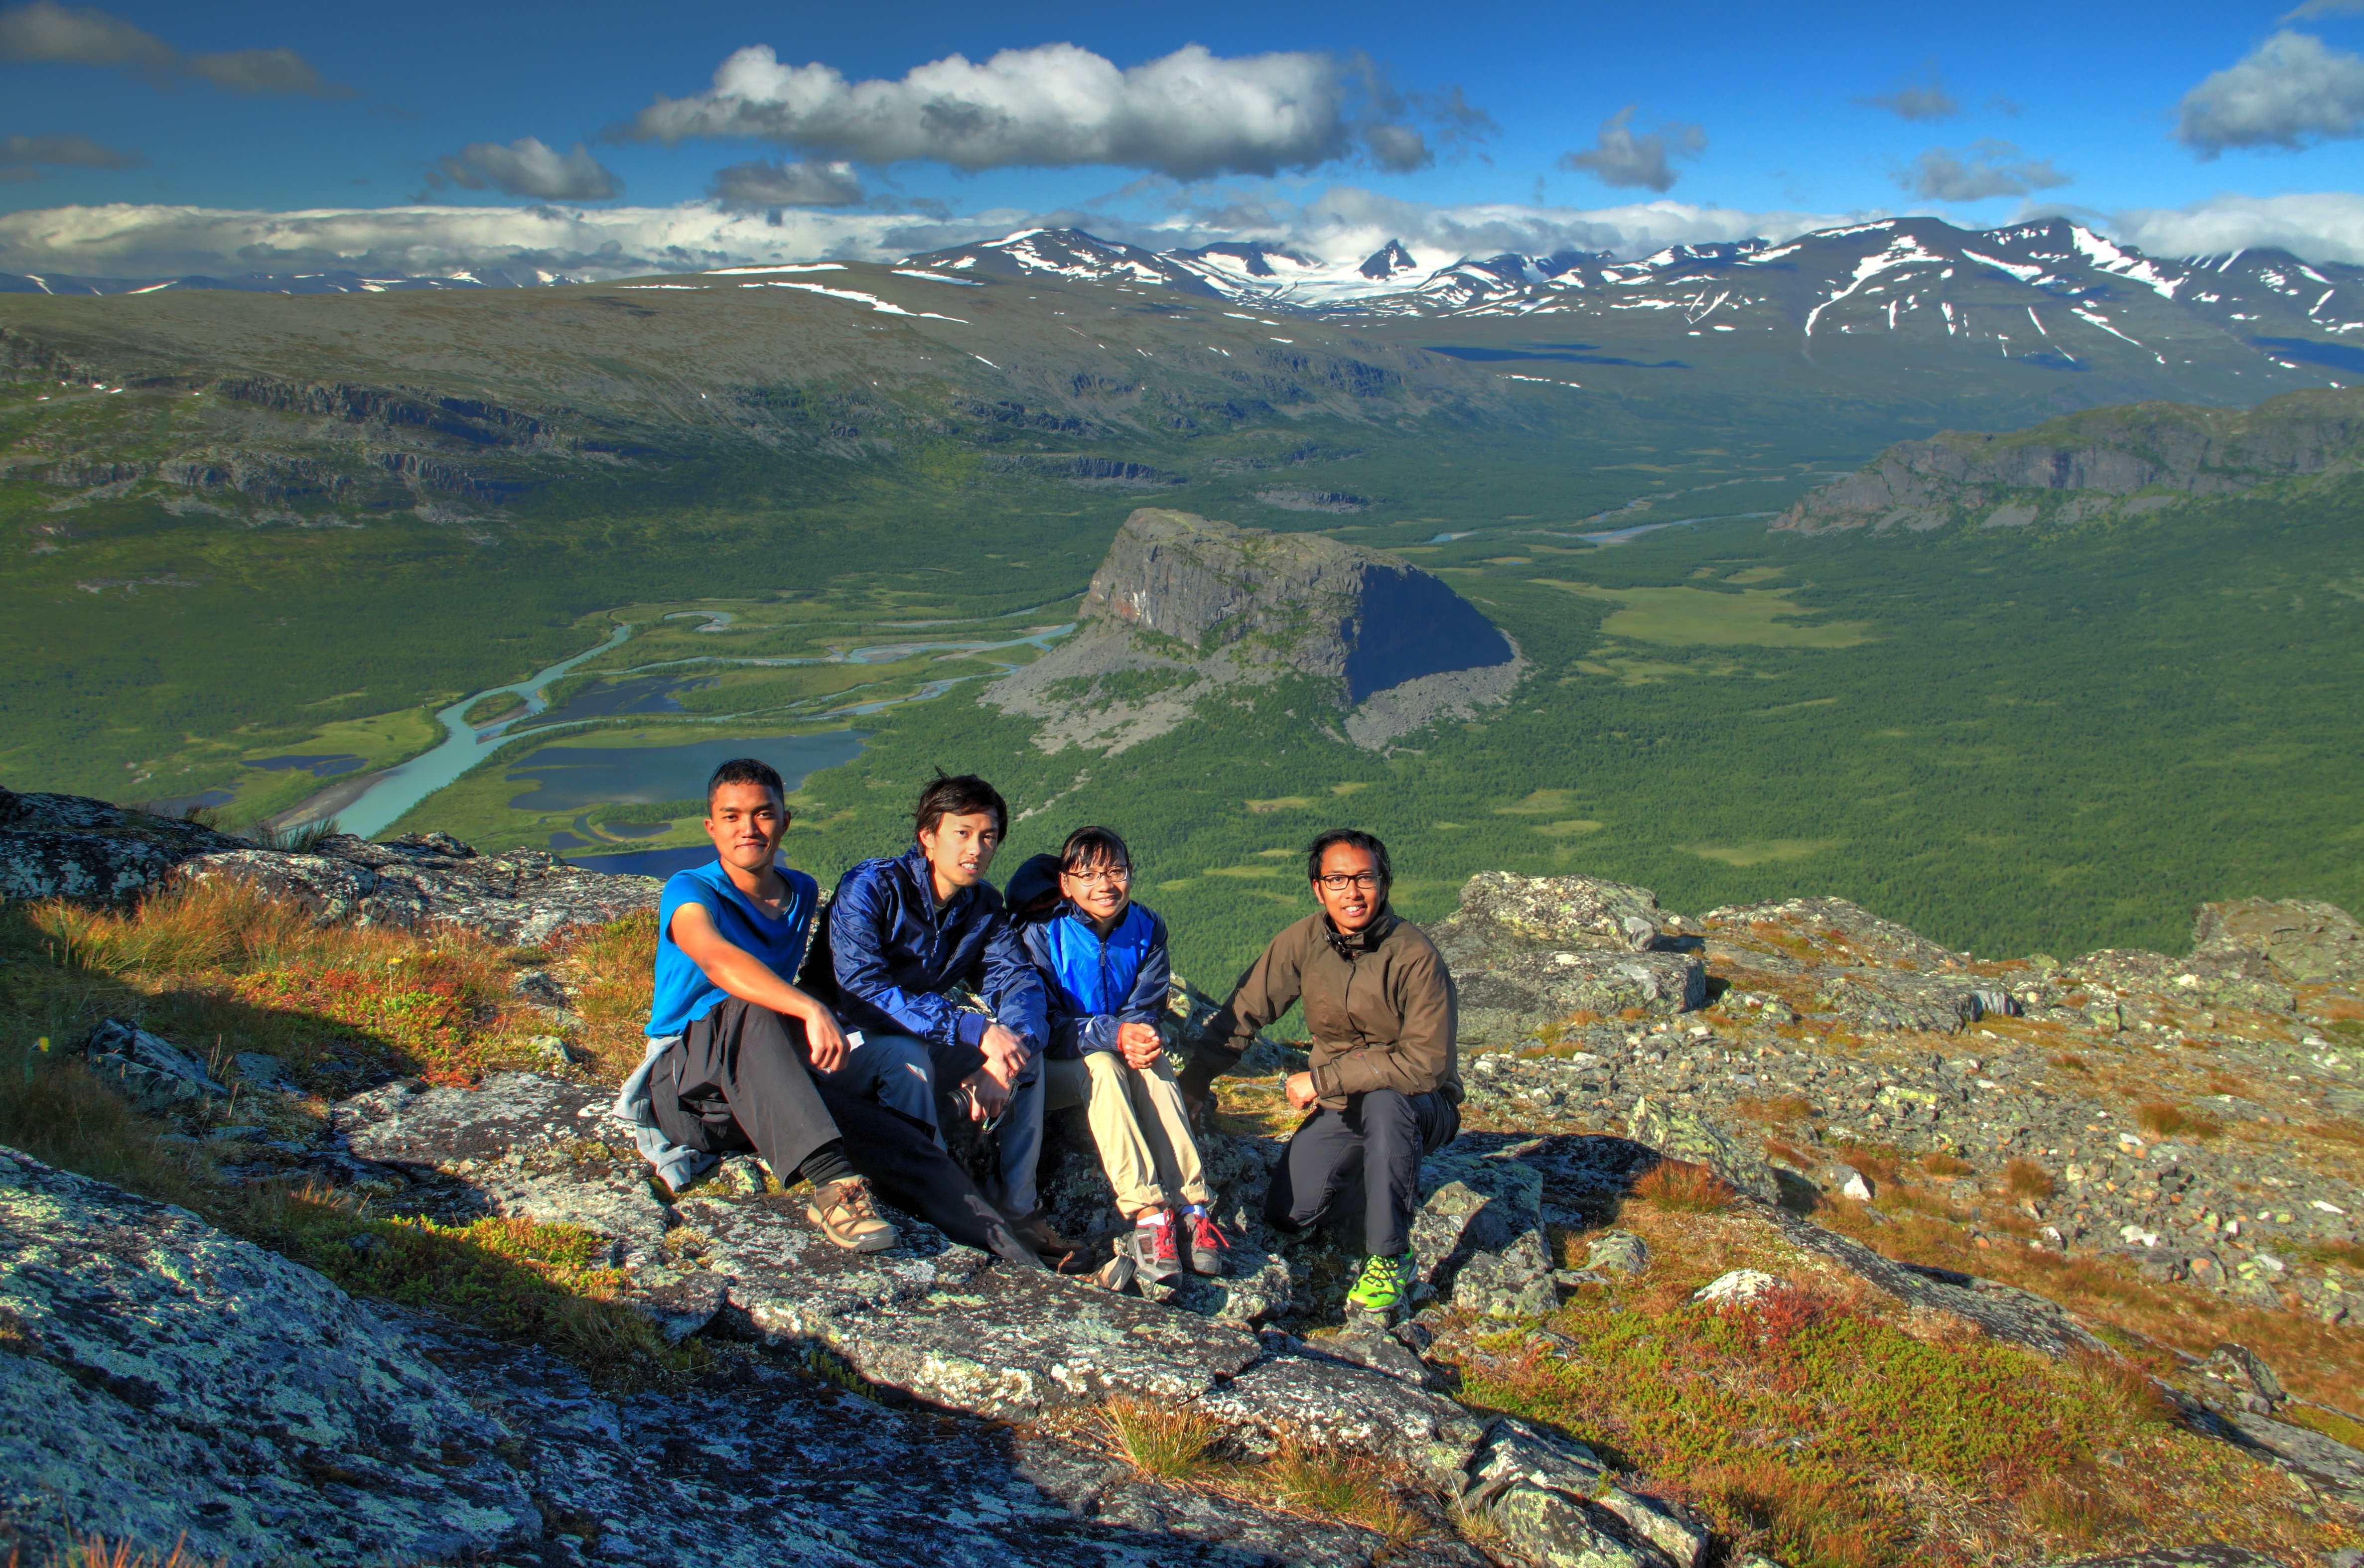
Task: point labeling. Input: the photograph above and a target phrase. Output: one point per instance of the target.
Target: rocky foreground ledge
(927, 1406)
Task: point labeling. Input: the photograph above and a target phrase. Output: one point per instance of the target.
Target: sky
(142, 139)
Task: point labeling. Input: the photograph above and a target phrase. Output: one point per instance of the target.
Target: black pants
(1377, 1143)
(739, 1079)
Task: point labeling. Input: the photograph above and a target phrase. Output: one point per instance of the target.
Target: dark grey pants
(1375, 1144)
(739, 1079)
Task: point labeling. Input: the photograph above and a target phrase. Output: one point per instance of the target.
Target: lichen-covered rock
(164, 1380)
(1528, 952)
(147, 1070)
(2310, 942)
(525, 897)
(68, 846)
(1548, 1498)
(1681, 1133)
(1833, 928)
(1332, 1402)
(530, 1146)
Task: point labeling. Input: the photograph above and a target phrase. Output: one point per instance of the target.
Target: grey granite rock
(147, 1070)
(69, 846)
(165, 1379)
(1549, 1498)
(522, 897)
(1528, 952)
(1681, 1133)
(1331, 1401)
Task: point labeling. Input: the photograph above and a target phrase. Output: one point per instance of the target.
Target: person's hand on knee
(1139, 1045)
(1300, 1091)
(1005, 1057)
(988, 1096)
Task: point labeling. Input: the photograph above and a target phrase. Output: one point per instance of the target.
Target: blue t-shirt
(684, 994)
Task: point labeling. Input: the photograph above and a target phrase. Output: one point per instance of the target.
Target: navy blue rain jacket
(1093, 985)
(887, 954)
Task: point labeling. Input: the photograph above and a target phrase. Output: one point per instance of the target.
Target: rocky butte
(1777, 1235)
(1183, 607)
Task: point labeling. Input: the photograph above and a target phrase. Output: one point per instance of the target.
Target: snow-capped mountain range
(2039, 289)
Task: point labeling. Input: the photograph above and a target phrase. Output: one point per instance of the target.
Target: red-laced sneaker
(1155, 1248)
(1210, 1250)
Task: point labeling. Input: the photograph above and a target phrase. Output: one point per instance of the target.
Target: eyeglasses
(1108, 876)
(1339, 882)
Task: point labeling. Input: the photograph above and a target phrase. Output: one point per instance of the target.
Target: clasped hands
(988, 1087)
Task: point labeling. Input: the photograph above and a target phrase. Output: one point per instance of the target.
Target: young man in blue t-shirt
(738, 1056)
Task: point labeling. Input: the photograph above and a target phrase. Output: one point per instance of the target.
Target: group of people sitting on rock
(838, 1044)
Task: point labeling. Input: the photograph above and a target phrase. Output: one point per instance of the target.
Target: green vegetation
(1692, 617)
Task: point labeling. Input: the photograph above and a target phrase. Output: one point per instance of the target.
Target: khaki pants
(1139, 1123)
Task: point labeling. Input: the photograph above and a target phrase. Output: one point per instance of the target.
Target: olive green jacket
(1379, 1005)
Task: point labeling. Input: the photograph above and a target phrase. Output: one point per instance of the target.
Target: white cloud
(127, 241)
(2315, 9)
(527, 167)
(46, 32)
(2287, 92)
(1618, 157)
(1985, 168)
(787, 184)
(2327, 225)
(1925, 100)
(1189, 114)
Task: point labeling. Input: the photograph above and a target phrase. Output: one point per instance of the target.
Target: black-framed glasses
(1108, 876)
(1339, 881)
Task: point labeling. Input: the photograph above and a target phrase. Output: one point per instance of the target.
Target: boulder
(1555, 1504)
(1528, 952)
(150, 1071)
(524, 898)
(1680, 1133)
(2312, 943)
(69, 846)
(167, 1382)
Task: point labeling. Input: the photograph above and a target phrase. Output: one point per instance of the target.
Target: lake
(572, 778)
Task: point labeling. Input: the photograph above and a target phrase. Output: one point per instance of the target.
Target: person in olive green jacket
(1382, 1085)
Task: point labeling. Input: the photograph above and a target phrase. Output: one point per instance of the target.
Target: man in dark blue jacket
(900, 935)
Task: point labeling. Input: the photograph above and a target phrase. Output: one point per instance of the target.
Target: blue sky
(1758, 114)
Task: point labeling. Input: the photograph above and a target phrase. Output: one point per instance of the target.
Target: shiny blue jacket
(886, 954)
(1093, 985)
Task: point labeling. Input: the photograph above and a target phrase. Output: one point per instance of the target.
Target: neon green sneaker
(1385, 1281)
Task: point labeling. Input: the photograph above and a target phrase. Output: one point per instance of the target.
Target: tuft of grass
(2164, 1121)
(1801, 1518)
(301, 840)
(1324, 1481)
(1684, 1188)
(1171, 1443)
(96, 1550)
(1944, 1165)
(2068, 1064)
(1779, 1110)
(2024, 1178)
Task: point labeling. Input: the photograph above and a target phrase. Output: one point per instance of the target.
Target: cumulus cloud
(527, 167)
(1618, 157)
(2327, 225)
(765, 185)
(1985, 168)
(1190, 114)
(46, 32)
(128, 240)
(2287, 92)
(1923, 100)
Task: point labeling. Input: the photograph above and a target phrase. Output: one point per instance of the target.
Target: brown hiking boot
(1037, 1231)
(843, 1212)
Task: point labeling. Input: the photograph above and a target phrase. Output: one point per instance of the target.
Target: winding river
(386, 796)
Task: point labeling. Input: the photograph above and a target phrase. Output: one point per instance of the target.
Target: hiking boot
(1037, 1231)
(1156, 1251)
(843, 1212)
(1210, 1250)
(1385, 1281)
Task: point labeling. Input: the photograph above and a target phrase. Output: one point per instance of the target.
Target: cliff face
(1183, 605)
(2123, 461)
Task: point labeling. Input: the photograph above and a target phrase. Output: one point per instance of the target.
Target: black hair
(1089, 847)
(745, 770)
(962, 795)
(1355, 837)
